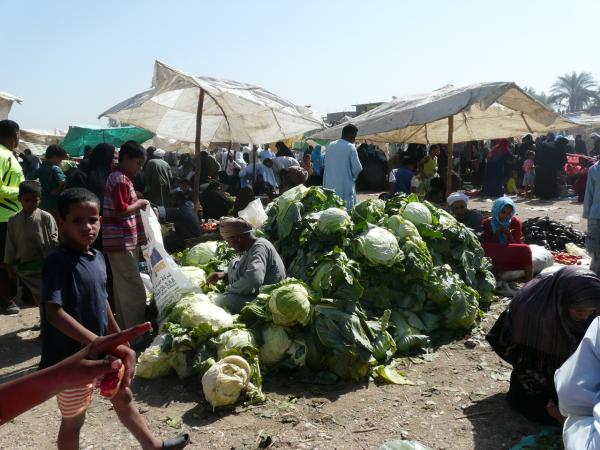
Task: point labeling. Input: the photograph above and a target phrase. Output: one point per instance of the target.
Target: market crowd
(71, 231)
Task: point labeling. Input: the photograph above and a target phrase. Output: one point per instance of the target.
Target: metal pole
(197, 150)
(450, 155)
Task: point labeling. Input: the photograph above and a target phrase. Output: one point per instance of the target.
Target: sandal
(176, 443)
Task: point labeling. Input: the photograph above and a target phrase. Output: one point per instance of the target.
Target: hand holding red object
(78, 370)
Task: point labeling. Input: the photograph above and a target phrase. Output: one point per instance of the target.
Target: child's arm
(67, 325)
(83, 367)
(121, 201)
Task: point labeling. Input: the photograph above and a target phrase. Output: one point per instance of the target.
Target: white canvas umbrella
(470, 113)
(204, 110)
(6, 102)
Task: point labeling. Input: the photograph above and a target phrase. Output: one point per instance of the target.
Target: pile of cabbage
(386, 280)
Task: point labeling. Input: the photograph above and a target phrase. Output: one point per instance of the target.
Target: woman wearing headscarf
(549, 163)
(540, 329)
(283, 150)
(458, 204)
(99, 168)
(259, 264)
(502, 239)
(494, 169)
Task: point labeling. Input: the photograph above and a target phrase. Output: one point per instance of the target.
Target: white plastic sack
(168, 281)
(254, 213)
(542, 258)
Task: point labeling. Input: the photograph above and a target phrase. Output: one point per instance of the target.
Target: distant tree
(576, 91)
(541, 97)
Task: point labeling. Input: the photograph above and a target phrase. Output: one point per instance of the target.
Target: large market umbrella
(78, 137)
(203, 110)
(6, 102)
(455, 114)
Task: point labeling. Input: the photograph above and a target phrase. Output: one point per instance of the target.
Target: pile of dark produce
(551, 234)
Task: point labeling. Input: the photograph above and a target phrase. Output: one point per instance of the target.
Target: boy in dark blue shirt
(76, 311)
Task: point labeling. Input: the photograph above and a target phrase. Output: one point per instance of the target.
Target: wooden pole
(198, 149)
(254, 148)
(450, 155)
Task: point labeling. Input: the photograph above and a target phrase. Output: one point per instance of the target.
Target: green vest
(11, 175)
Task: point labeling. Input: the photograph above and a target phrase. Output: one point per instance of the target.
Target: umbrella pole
(198, 149)
(450, 155)
(253, 164)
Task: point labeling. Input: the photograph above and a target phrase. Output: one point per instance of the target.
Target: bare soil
(457, 401)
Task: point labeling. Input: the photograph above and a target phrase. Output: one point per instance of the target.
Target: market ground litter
(457, 401)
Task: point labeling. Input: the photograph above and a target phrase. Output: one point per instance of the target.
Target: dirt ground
(457, 401)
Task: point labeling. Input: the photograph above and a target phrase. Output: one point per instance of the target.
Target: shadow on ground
(281, 389)
(29, 346)
(495, 425)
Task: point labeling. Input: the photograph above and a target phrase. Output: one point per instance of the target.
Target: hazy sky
(71, 60)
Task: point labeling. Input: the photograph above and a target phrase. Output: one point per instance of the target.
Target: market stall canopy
(42, 137)
(78, 137)
(480, 111)
(38, 140)
(232, 111)
(584, 119)
(6, 102)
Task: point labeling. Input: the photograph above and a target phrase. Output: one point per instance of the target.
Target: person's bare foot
(554, 412)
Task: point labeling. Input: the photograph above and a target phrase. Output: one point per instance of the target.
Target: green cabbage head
(333, 221)
(153, 362)
(380, 247)
(402, 228)
(275, 344)
(201, 254)
(196, 275)
(290, 305)
(224, 381)
(417, 213)
(197, 310)
(237, 341)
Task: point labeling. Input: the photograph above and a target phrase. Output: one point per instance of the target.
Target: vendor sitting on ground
(541, 328)
(215, 203)
(502, 241)
(184, 217)
(259, 264)
(457, 202)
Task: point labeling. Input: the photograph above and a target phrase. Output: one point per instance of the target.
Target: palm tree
(539, 96)
(577, 90)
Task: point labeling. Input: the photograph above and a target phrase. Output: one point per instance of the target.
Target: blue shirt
(591, 203)
(402, 180)
(342, 167)
(76, 282)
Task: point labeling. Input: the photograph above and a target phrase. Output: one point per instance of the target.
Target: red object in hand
(109, 384)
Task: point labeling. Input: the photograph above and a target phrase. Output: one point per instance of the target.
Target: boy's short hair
(132, 150)
(56, 151)
(8, 128)
(30, 187)
(72, 196)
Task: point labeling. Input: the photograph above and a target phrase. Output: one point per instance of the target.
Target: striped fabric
(73, 402)
(120, 234)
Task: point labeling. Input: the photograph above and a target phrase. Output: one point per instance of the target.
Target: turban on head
(159, 153)
(231, 227)
(457, 197)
